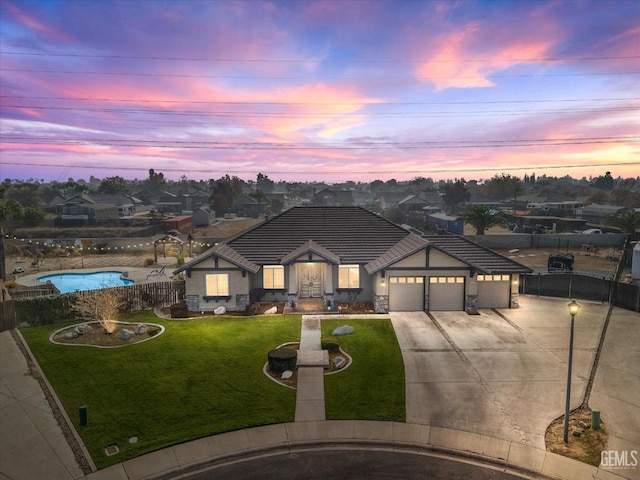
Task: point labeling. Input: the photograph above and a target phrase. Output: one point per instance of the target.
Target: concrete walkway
(312, 361)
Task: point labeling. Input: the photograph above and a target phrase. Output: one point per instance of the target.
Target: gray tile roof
(479, 257)
(344, 235)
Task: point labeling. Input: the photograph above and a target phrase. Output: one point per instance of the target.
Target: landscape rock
(141, 328)
(220, 310)
(339, 362)
(344, 330)
(126, 334)
(71, 335)
(286, 374)
(271, 311)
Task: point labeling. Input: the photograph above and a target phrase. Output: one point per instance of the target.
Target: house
(181, 223)
(204, 217)
(332, 198)
(348, 254)
(598, 214)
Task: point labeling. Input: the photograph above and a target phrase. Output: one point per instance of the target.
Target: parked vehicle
(560, 262)
(592, 230)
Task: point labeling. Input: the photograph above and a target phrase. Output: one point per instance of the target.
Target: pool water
(71, 282)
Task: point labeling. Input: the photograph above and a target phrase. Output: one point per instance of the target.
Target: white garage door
(406, 294)
(446, 293)
(494, 291)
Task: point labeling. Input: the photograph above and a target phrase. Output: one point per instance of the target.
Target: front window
(349, 276)
(217, 285)
(273, 276)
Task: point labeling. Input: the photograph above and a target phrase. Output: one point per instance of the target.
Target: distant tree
(9, 210)
(156, 181)
(33, 216)
(264, 183)
(628, 222)
(27, 194)
(503, 187)
(224, 192)
(481, 218)
(454, 193)
(112, 185)
(599, 196)
(604, 182)
(625, 197)
(375, 185)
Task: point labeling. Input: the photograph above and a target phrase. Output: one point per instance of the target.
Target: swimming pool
(70, 282)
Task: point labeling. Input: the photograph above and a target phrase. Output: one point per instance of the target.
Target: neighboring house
(249, 206)
(127, 204)
(204, 217)
(598, 214)
(182, 224)
(347, 254)
(443, 222)
(412, 203)
(332, 198)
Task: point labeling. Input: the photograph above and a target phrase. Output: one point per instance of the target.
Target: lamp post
(574, 308)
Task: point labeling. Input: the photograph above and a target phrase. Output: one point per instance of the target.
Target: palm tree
(628, 222)
(9, 209)
(481, 218)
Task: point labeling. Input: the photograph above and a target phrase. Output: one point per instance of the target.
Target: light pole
(574, 308)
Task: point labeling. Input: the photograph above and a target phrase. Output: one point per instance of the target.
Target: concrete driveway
(500, 373)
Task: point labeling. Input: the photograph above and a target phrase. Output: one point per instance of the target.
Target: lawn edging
(285, 438)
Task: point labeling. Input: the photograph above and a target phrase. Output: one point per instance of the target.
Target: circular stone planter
(96, 337)
(292, 381)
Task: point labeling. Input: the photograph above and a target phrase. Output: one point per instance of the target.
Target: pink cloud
(31, 23)
(454, 64)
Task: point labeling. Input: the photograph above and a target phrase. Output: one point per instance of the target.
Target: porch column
(328, 278)
(293, 279)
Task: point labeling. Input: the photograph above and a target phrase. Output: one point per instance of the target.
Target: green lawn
(200, 377)
(372, 388)
(204, 376)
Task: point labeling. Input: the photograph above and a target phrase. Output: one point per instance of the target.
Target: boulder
(339, 362)
(344, 330)
(141, 328)
(220, 310)
(271, 311)
(286, 374)
(71, 335)
(126, 334)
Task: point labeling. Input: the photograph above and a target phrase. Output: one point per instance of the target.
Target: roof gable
(309, 248)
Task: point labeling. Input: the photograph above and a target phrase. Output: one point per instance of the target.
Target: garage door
(494, 291)
(446, 293)
(406, 294)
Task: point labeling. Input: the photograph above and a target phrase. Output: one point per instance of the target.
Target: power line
(368, 78)
(215, 145)
(227, 102)
(315, 61)
(427, 168)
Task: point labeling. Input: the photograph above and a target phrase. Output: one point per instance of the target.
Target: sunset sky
(327, 90)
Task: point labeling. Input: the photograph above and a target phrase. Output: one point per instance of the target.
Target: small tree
(102, 306)
(481, 218)
(628, 222)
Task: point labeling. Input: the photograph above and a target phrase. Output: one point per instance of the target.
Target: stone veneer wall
(193, 303)
(381, 303)
(242, 301)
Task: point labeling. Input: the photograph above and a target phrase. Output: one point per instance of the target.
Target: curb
(242, 445)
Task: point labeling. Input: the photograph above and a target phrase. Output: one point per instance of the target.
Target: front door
(310, 279)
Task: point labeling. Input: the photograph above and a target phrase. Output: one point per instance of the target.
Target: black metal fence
(583, 287)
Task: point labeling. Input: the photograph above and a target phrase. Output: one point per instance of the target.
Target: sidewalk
(32, 445)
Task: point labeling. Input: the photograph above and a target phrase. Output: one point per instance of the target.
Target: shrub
(282, 359)
(148, 262)
(333, 347)
(11, 284)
